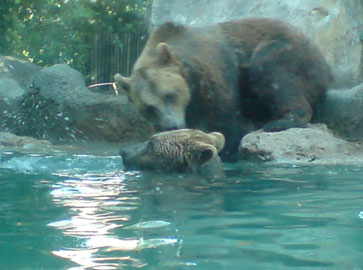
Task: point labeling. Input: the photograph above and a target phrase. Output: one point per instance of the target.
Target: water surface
(68, 211)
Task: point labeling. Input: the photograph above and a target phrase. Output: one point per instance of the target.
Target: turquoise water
(84, 212)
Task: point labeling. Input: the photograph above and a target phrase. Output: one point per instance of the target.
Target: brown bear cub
(215, 77)
(183, 150)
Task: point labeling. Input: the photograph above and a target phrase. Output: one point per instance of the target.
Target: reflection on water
(92, 200)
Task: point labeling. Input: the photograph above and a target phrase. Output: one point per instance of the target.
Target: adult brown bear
(213, 77)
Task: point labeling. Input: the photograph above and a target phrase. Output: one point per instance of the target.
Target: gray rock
(15, 75)
(11, 95)
(335, 25)
(343, 112)
(23, 144)
(11, 141)
(10, 90)
(59, 107)
(18, 70)
(313, 145)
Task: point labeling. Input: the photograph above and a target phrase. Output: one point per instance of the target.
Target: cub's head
(158, 89)
(183, 150)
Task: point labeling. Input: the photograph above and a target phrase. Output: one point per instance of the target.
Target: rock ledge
(313, 145)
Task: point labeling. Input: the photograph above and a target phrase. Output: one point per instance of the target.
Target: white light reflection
(112, 244)
(84, 258)
(98, 204)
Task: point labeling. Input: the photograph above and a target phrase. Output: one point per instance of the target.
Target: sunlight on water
(92, 199)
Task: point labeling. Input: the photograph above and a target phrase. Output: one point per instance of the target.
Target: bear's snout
(172, 123)
(131, 155)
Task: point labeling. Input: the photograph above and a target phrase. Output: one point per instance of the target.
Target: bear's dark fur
(215, 77)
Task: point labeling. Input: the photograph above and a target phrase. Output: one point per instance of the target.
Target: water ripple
(100, 217)
(99, 204)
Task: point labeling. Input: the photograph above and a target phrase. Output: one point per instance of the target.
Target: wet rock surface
(54, 104)
(60, 108)
(15, 76)
(313, 145)
(11, 95)
(11, 141)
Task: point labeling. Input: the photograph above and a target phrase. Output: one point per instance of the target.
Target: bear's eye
(149, 110)
(170, 98)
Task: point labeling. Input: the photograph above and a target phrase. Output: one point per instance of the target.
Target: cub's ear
(203, 153)
(218, 140)
(163, 53)
(125, 82)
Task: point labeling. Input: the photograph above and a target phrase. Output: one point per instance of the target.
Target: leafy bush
(46, 32)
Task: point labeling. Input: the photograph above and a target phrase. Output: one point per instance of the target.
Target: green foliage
(54, 31)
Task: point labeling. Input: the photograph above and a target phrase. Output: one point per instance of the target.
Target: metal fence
(111, 54)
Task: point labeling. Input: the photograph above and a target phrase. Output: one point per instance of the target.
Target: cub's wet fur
(183, 150)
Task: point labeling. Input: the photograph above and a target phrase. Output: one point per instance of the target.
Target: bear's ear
(218, 139)
(125, 82)
(203, 153)
(163, 53)
(206, 155)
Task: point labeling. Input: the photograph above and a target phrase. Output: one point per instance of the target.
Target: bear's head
(183, 150)
(158, 88)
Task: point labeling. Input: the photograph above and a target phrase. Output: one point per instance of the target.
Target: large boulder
(313, 145)
(335, 25)
(59, 107)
